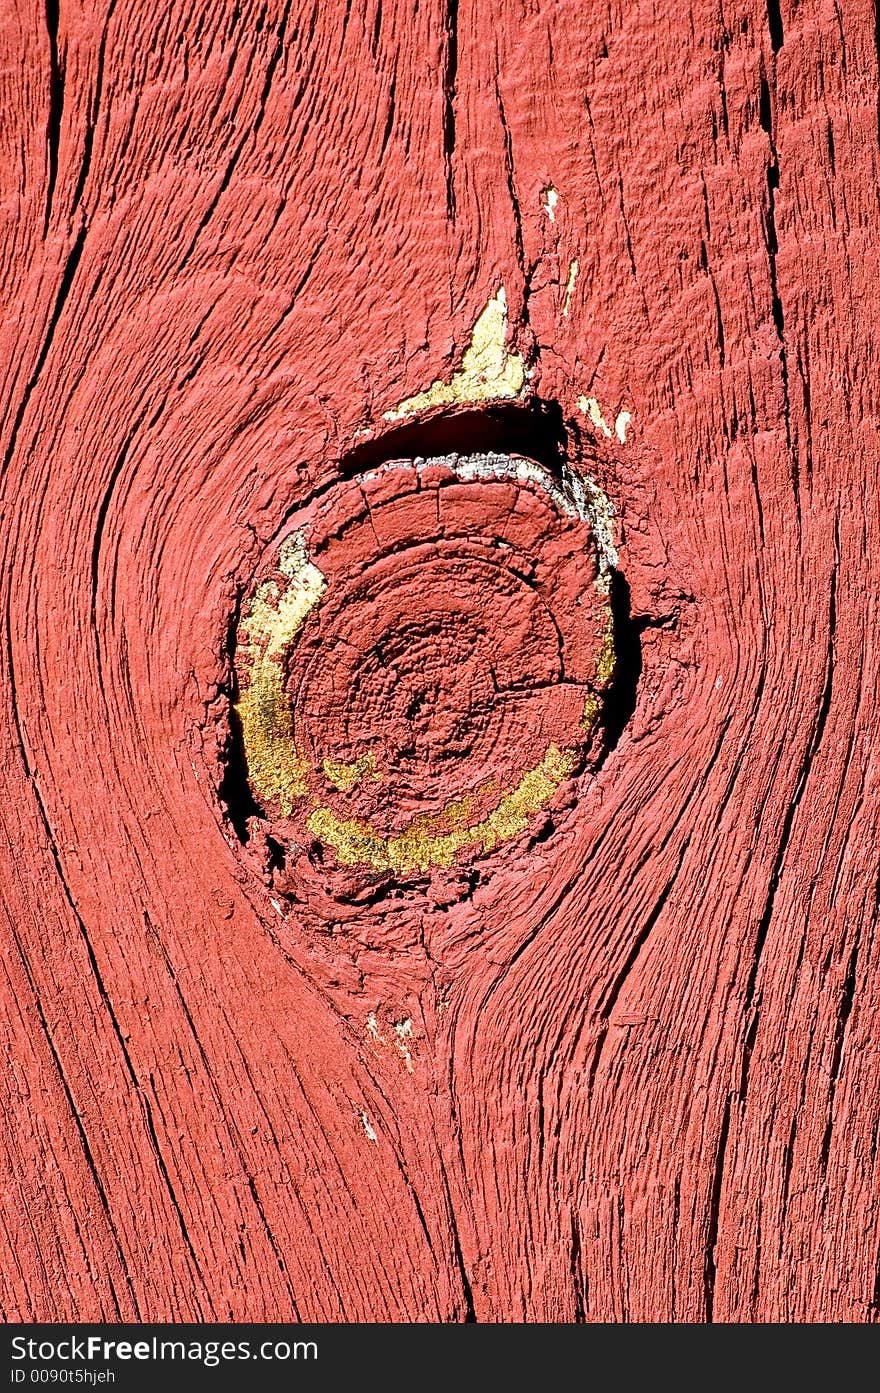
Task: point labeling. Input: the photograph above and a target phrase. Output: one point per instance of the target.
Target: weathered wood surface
(639, 1079)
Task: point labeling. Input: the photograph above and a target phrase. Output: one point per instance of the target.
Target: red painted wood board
(619, 1063)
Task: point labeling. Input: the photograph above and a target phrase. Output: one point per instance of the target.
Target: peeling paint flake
(549, 201)
(590, 407)
(488, 372)
(573, 270)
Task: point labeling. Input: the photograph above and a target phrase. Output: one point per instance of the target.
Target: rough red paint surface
(625, 1067)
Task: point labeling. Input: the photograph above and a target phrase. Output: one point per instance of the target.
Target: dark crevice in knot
(620, 700)
(535, 429)
(234, 790)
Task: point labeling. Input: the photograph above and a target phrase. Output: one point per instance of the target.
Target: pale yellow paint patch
(590, 407)
(549, 202)
(488, 372)
(570, 284)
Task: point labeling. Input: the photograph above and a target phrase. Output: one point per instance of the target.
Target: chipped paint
(549, 201)
(590, 407)
(488, 372)
(570, 284)
(404, 1032)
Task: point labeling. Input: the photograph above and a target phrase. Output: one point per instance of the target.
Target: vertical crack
(774, 23)
(249, 133)
(772, 240)
(470, 1316)
(877, 51)
(715, 1214)
(56, 106)
(450, 79)
(577, 1273)
(615, 988)
(91, 115)
(511, 189)
(60, 299)
(844, 1011)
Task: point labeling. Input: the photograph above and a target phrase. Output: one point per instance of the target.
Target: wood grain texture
(640, 1075)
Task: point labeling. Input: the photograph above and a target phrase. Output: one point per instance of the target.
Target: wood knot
(422, 662)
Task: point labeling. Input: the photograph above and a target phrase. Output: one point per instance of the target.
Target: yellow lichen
(420, 845)
(345, 776)
(276, 770)
(488, 372)
(607, 658)
(590, 713)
